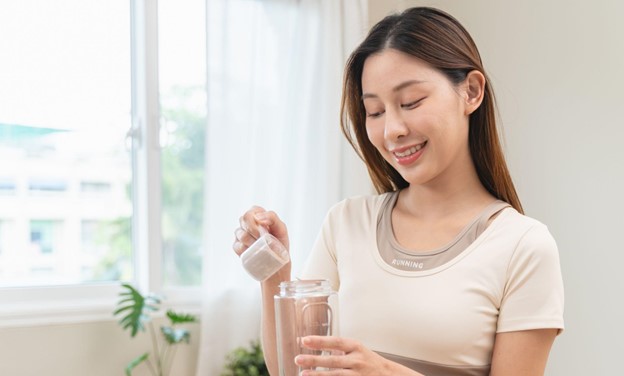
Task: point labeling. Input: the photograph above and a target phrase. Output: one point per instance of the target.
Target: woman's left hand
(357, 359)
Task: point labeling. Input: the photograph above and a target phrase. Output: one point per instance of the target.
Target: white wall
(558, 71)
(93, 349)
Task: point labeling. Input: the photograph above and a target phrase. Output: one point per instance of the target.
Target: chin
(416, 177)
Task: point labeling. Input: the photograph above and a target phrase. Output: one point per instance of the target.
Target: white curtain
(274, 82)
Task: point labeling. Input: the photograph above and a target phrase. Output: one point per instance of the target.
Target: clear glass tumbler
(303, 308)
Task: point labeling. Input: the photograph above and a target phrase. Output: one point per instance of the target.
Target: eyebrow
(399, 87)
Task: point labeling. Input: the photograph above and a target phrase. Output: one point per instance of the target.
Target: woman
(440, 273)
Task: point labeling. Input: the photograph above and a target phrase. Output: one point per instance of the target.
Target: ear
(473, 89)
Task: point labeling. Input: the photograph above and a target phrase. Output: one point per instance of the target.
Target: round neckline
(396, 245)
(503, 213)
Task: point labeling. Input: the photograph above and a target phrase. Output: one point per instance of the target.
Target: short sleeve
(322, 261)
(533, 296)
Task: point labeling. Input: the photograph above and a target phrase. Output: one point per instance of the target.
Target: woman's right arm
(270, 288)
(246, 234)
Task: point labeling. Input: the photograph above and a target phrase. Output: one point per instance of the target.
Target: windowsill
(40, 306)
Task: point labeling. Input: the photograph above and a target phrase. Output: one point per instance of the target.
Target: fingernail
(260, 216)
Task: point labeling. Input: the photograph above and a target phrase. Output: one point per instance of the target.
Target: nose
(395, 126)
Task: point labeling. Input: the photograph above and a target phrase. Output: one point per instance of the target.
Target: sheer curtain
(274, 81)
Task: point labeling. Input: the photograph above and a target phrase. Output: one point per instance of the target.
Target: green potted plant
(246, 362)
(136, 313)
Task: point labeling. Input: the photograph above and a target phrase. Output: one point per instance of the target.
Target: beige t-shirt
(442, 320)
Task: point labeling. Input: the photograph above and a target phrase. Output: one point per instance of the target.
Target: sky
(66, 63)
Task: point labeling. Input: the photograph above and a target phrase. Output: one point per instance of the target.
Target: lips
(407, 155)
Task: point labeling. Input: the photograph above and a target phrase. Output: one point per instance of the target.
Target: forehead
(390, 68)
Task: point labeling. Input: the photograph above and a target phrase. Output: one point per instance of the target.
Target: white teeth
(409, 151)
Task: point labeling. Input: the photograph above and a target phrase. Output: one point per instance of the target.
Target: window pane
(46, 237)
(182, 66)
(5, 243)
(65, 110)
(105, 249)
(7, 186)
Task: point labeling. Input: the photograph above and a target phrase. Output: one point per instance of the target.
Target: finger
(244, 236)
(323, 372)
(271, 221)
(249, 223)
(256, 217)
(338, 362)
(329, 343)
(239, 247)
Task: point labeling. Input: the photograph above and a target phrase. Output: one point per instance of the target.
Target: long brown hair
(438, 39)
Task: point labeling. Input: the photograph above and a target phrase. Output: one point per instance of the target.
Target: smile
(409, 151)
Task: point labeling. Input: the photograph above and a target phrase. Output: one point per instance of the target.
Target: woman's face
(416, 118)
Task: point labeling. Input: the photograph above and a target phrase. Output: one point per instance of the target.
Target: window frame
(44, 305)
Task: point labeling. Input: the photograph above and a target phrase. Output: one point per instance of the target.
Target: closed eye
(374, 114)
(412, 105)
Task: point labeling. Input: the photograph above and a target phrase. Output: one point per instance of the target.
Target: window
(45, 236)
(70, 60)
(4, 239)
(183, 117)
(7, 186)
(98, 189)
(47, 185)
(105, 253)
(95, 187)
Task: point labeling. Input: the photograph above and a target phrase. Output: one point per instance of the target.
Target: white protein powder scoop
(265, 257)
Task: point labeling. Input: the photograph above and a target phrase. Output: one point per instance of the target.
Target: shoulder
(357, 213)
(532, 237)
(359, 204)
(533, 293)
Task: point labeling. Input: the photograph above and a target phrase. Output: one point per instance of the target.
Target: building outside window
(45, 236)
(76, 91)
(7, 186)
(5, 228)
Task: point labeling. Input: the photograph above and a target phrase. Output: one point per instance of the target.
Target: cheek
(375, 135)
(376, 138)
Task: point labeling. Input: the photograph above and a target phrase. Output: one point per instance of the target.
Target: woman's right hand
(245, 235)
(249, 229)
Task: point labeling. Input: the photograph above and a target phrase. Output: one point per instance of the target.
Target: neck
(454, 193)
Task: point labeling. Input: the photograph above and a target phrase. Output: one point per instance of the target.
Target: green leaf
(138, 360)
(174, 336)
(246, 361)
(133, 307)
(180, 318)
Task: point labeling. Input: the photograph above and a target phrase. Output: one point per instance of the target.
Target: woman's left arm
(522, 353)
(518, 353)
